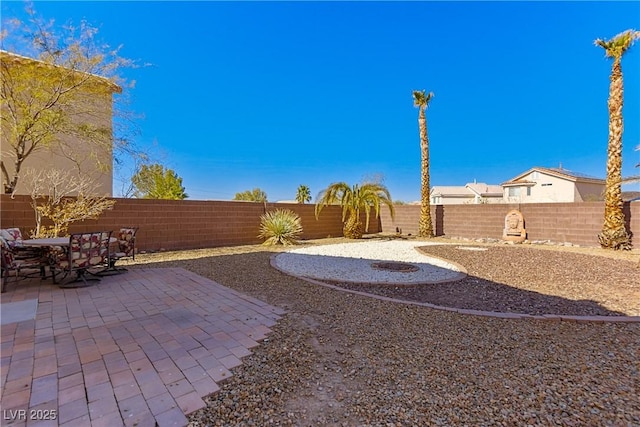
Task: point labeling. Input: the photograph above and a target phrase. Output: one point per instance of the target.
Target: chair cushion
(86, 250)
(11, 262)
(7, 258)
(12, 236)
(126, 241)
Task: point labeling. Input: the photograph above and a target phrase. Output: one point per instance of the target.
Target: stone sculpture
(514, 230)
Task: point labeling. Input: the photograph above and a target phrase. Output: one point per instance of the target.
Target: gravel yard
(342, 359)
(527, 280)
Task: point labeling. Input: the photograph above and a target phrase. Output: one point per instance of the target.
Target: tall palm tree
(303, 195)
(354, 200)
(614, 235)
(421, 100)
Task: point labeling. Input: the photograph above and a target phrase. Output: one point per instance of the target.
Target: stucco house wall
(537, 186)
(589, 192)
(546, 189)
(92, 160)
(472, 193)
(452, 200)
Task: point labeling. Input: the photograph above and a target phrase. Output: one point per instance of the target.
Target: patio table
(46, 245)
(54, 241)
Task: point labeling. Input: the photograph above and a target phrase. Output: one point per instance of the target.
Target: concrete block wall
(188, 224)
(184, 224)
(577, 223)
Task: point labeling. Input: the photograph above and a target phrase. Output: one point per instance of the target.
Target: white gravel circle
(351, 262)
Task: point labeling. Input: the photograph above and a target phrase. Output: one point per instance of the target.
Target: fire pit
(398, 267)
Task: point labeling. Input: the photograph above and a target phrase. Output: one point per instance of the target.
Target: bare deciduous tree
(50, 192)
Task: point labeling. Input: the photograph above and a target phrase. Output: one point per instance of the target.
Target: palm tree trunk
(353, 226)
(614, 234)
(425, 228)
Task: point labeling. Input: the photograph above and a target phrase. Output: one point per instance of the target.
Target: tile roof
(468, 190)
(451, 190)
(571, 173)
(558, 172)
(485, 189)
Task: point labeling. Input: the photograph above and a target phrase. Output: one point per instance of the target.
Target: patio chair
(9, 263)
(85, 251)
(13, 238)
(126, 249)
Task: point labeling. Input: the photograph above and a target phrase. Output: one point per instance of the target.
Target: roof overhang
(458, 195)
(4, 54)
(518, 184)
(557, 175)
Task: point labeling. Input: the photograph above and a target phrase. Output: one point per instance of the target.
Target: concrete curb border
(481, 313)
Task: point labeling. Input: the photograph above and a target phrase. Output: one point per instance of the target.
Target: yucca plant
(280, 227)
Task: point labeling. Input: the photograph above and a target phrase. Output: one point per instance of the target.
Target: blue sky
(277, 94)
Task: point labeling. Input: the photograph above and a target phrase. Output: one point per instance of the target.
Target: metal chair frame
(10, 261)
(85, 251)
(13, 238)
(126, 249)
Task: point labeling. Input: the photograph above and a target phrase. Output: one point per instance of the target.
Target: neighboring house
(631, 196)
(89, 159)
(472, 193)
(549, 185)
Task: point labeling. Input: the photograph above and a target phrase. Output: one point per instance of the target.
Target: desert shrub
(50, 200)
(280, 227)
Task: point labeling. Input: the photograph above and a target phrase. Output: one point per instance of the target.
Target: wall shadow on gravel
(253, 274)
(506, 278)
(476, 293)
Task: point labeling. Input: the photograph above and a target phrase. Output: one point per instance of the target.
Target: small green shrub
(281, 226)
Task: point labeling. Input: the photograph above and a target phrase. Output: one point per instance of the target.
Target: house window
(548, 184)
(535, 175)
(514, 191)
(528, 191)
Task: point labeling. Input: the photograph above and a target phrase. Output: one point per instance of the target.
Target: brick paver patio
(138, 349)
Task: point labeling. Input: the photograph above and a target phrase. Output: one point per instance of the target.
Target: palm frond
(355, 199)
(331, 195)
(428, 99)
(419, 98)
(372, 195)
(619, 44)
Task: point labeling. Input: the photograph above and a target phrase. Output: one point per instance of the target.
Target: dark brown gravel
(521, 279)
(338, 359)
